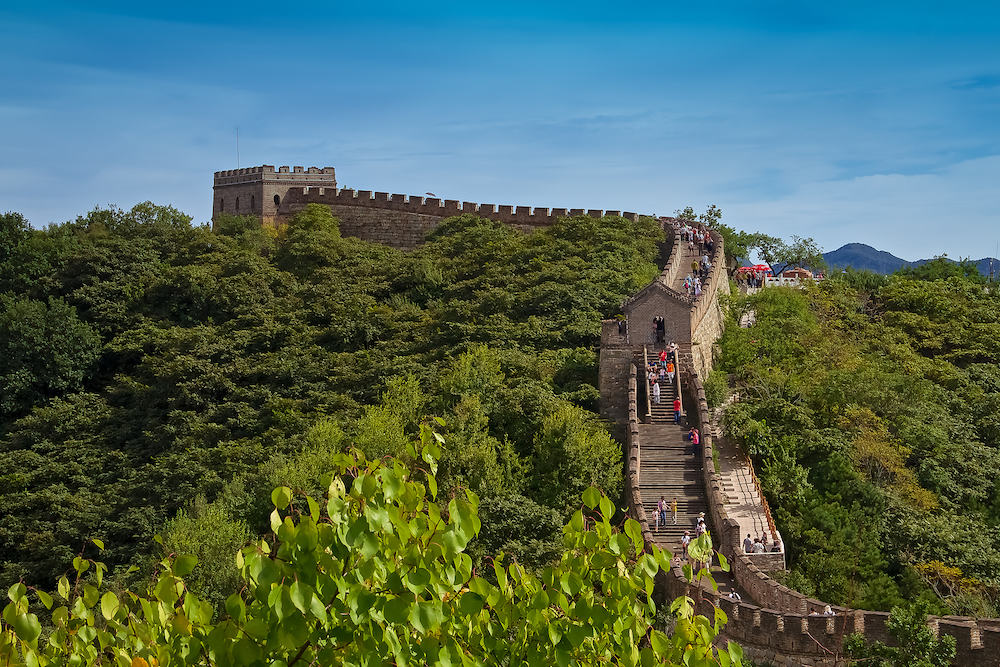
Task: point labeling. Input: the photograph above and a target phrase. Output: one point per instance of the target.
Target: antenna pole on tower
(237, 147)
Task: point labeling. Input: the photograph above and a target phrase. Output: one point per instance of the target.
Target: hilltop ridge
(864, 257)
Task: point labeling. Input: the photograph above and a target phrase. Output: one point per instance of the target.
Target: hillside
(159, 377)
(871, 408)
(866, 258)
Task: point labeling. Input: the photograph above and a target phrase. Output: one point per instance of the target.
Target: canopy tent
(756, 268)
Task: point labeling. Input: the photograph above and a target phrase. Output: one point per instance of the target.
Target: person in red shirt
(677, 410)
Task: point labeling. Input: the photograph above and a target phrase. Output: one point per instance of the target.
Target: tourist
(776, 547)
(661, 513)
(673, 508)
(685, 541)
(733, 595)
(747, 544)
(677, 410)
(663, 356)
(758, 546)
(695, 441)
(670, 371)
(656, 392)
(763, 540)
(828, 611)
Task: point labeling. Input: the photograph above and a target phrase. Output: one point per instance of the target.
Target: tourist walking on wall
(695, 441)
(677, 410)
(656, 392)
(673, 508)
(747, 544)
(661, 513)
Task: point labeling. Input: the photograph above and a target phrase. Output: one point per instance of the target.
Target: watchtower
(260, 190)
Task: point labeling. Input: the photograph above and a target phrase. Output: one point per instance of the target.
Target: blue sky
(848, 121)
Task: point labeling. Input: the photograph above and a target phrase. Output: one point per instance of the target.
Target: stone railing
(775, 624)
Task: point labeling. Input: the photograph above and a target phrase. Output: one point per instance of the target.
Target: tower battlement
(402, 221)
(260, 190)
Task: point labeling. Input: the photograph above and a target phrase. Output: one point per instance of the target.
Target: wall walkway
(773, 624)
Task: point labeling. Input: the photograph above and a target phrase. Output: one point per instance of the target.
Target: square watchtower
(260, 190)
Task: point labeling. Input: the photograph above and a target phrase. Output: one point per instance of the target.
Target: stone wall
(780, 628)
(707, 318)
(613, 372)
(402, 221)
(257, 187)
(776, 625)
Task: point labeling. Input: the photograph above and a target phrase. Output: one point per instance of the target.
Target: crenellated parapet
(774, 624)
(534, 216)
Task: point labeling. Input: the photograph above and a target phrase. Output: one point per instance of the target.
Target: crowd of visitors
(750, 279)
(759, 545)
(696, 236)
(660, 373)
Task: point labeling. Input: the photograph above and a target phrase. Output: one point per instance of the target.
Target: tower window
(277, 201)
(222, 204)
(253, 203)
(237, 204)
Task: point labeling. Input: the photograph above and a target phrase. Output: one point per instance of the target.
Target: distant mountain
(865, 257)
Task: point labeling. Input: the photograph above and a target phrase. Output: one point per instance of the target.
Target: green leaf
(301, 596)
(235, 607)
(396, 610)
(44, 598)
(735, 652)
(17, 591)
(27, 627)
(634, 532)
(281, 497)
(109, 605)
(607, 509)
(591, 497)
(63, 587)
(426, 617)
(99, 543)
(184, 565)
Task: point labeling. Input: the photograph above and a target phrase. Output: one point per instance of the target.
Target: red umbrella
(761, 267)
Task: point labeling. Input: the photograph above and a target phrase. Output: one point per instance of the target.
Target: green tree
(207, 532)
(45, 350)
(918, 647)
(573, 452)
(379, 573)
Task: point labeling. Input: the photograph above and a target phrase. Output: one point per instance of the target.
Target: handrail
(645, 378)
(677, 380)
(763, 501)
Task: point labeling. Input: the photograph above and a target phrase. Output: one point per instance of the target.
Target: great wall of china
(774, 624)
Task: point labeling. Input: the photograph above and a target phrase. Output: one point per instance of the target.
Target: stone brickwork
(615, 361)
(774, 625)
(400, 221)
(403, 221)
(260, 191)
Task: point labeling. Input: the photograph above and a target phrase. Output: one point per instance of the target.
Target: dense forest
(158, 377)
(872, 406)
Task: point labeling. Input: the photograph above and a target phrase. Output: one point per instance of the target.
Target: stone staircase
(670, 468)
